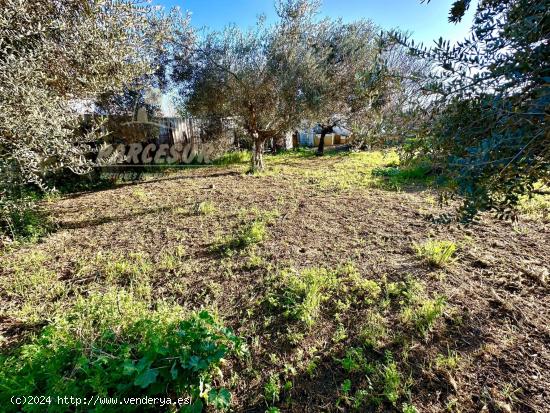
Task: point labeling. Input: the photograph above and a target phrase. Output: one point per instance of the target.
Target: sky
(425, 21)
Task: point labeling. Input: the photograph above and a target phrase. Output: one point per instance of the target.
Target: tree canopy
(488, 114)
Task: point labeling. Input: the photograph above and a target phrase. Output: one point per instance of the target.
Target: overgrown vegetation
(351, 308)
(112, 345)
(487, 122)
(311, 284)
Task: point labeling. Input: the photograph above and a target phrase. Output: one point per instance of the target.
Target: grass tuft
(205, 208)
(436, 253)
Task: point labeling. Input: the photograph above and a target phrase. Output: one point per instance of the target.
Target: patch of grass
(409, 408)
(536, 208)
(395, 177)
(299, 294)
(133, 269)
(140, 194)
(447, 361)
(355, 361)
(436, 253)
(23, 220)
(299, 152)
(374, 331)
(383, 377)
(168, 261)
(405, 292)
(424, 314)
(357, 287)
(347, 170)
(114, 346)
(233, 158)
(255, 261)
(32, 287)
(205, 208)
(246, 235)
(272, 389)
(392, 380)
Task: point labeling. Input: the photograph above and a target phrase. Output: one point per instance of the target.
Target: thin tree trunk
(321, 147)
(258, 154)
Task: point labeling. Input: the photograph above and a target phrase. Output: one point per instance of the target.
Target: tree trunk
(321, 147)
(258, 154)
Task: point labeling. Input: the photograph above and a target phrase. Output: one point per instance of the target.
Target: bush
(487, 123)
(115, 347)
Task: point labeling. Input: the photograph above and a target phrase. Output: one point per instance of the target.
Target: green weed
(140, 194)
(392, 380)
(447, 361)
(424, 314)
(409, 408)
(133, 269)
(29, 282)
(245, 236)
(299, 294)
(436, 253)
(116, 346)
(374, 331)
(26, 222)
(272, 389)
(395, 177)
(205, 208)
(383, 378)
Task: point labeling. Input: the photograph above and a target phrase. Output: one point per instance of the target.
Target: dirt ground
(324, 213)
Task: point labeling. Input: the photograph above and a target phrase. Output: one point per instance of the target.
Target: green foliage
(131, 269)
(405, 292)
(355, 361)
(536, 206)
(272, 389)
(447, 362)
(399, 176)
(299, 294)
(487, 127)
(32, 287)
(23, 221)
(232, 158)
(424, 314)
(115, 346)
(374, 330)
(392, 381)
(205, 208)
(409, 408)
(245, 236)
(436, 253)
(384, 379)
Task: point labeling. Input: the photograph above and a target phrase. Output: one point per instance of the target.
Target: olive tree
(488, 119)
(344, 68)
(353, 76)
(55, 58)
(252, 77)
